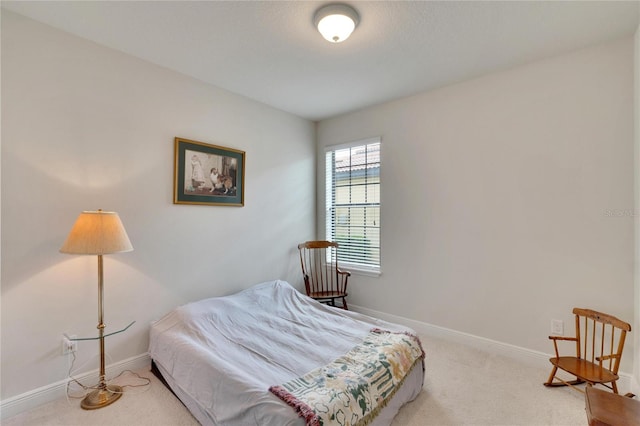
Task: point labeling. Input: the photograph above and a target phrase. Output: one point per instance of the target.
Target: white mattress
(221, 355)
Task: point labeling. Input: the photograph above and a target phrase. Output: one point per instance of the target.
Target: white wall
(507, 200)
(85, 127)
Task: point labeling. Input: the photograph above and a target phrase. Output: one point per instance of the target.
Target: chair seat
(584, 369)
(327, 294)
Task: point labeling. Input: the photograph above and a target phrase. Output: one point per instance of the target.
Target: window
(353, 203)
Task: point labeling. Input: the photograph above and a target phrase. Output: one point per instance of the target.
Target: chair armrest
(347, 273)
(555, 340)
(571, 339)
(606, 357)
(343, 276)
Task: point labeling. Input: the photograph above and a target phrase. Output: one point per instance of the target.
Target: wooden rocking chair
(599, 343)
(323, 280)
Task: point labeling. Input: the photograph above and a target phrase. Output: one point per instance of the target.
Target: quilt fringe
(303, 410)
(312, 419)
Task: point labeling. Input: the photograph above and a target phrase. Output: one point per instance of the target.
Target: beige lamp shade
(97, 232)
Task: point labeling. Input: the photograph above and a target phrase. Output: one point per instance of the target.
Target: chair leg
(560, 382)
(344, 304)
(614, 387)
(549, 382)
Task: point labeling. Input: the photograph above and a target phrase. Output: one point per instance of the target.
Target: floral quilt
(351, 390)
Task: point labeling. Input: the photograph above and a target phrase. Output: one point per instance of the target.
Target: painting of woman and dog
(208, 174)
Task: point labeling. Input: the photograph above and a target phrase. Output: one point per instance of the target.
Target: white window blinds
(353, 202)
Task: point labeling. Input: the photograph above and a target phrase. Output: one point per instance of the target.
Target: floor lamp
(98, 233)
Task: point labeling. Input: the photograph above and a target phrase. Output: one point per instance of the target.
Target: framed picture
(208, 174)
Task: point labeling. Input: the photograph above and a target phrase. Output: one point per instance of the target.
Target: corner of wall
(636, 338)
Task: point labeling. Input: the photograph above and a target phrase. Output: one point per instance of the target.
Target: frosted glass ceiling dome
(336, 22)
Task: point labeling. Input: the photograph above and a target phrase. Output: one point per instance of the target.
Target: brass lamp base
(101, 397)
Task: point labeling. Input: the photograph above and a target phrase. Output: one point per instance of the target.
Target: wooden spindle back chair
(599, 341)
(323, 279)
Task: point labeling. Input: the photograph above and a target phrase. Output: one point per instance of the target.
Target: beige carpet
(463, 386)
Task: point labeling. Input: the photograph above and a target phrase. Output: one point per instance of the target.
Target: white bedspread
(225, 352)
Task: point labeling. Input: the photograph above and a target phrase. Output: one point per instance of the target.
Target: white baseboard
(34, 398)
(529, 356)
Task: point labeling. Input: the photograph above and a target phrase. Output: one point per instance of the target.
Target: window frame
(329, 204)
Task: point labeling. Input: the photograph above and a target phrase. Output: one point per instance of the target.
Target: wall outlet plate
(557, 327)
(69, 345)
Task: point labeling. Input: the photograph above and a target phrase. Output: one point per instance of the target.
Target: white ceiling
(269, 51)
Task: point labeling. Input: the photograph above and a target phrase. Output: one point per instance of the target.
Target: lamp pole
(104, 394)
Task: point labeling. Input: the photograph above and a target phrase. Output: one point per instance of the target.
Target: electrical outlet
(557, 327)
(69, 345)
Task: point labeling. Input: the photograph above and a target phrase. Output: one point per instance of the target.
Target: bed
(269, 355)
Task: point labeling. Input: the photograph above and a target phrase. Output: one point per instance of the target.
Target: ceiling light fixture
(336, 22)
